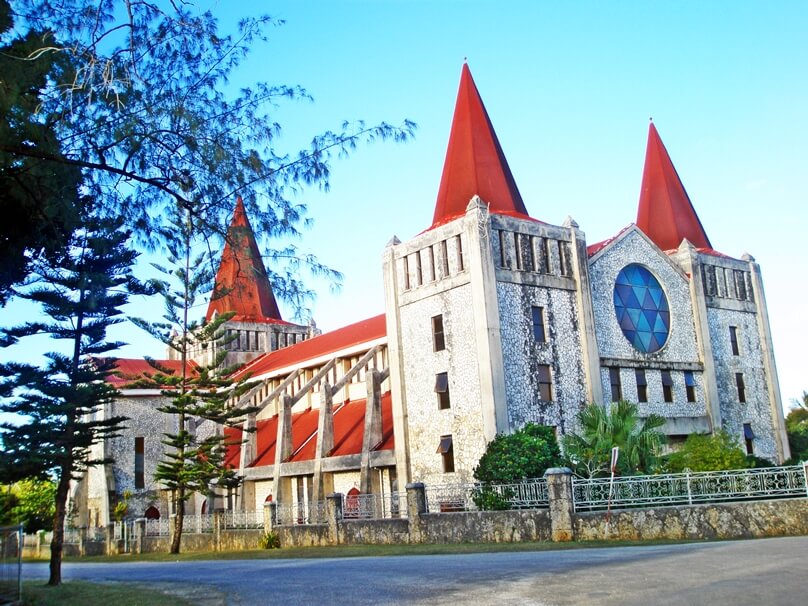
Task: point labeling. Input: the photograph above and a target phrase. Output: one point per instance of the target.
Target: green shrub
(702, 452)
(270, 540)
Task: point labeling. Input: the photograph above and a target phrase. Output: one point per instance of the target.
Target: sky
(569, 88)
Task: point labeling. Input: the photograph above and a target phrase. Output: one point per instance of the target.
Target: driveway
(762, 571)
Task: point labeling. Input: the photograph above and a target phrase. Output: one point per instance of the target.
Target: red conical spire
(242, 285)
(475, 164)
(665, 213)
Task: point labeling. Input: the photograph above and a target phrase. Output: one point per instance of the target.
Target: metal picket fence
(591, 494)
(529, 494)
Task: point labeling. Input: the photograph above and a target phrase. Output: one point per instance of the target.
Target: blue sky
(569, 87)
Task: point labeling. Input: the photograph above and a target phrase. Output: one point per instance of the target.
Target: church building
(493, 318)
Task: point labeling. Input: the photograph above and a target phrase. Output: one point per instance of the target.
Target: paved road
(760, 572)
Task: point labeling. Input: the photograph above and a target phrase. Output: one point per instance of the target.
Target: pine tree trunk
(57, 542)
(176, 539)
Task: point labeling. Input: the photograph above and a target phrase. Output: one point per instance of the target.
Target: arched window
(152, 513)
(351, 511)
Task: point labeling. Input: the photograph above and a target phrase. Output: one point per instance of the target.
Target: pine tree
(198, 393)
(80, 297)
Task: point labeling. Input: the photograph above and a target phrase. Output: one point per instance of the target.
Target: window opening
(460, 264)
(444, 254)
(442, 389)
(406, 273)
(642, 385)
(446, 450)
(690, 386)
(562, 258)
(419, 274)
(517, 250)
(617, 387)
(503, 256)
(140, 476)
(740, 284)
(748, 438)
(432, 272)
(667, 386)
(537, 314)
(438, 339)
(733, 340)
(545, 383)
(530, 264)
(741, 387)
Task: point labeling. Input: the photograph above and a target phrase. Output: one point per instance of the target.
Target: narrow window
(538, 324)
(690, 386)
(617, 387)
(545, 383)
(406, 273)
(446, 450)
(748, 438)
(438, 340)
(530, 261)
(460, 264)
(722, 281)
(642, 385)
(442, 389)
(503, 256)
(741, 387)
(545, 254)
(517, 250)
(140, 476)
(667, 386)
(433, 274)
(709, 280)
(419, 274)
(562, 258)
(444, 254)
(733, 340)
(740, 284)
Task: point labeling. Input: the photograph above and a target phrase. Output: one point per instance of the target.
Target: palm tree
(588, 453)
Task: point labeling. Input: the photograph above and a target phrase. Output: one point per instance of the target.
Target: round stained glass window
(642, 308)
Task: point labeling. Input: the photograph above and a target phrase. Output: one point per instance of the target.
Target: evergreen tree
(57, 403)
(38, 197)
(193, 463)
(588, 452)
(146, 112)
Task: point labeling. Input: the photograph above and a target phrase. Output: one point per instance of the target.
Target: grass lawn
(82, 593)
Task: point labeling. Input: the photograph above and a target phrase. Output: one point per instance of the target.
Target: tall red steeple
(475, 164)
(242, 284)
(665, 213)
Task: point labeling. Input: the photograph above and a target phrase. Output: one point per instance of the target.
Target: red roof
(130, 370)
(475, 163)
(329, 342)
(242, 285)
(665, 213)
(232, 441)
(349, 430)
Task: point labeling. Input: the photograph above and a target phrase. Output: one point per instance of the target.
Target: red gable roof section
(232, 442)
(349, 431)
(475, 163)
(131, 370)
(361, 332)
(242, 277)
(665, 213)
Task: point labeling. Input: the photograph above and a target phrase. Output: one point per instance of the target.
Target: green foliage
(797, 429)
(510, 458)
(33, 505)
(589, 452)
(56, 404)
(270, 540)
(145, 110)
(702, 452)
(122, 507)
(38, 198)
(196, 393)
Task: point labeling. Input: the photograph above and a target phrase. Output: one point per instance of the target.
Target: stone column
(218, 522)
(109, 536)
(283, 450)
(140, 534)
(416, 507)
(323, 483)
(83, 541)
(334, 515)
(562, 506)
(368, 480)
(270, 516)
